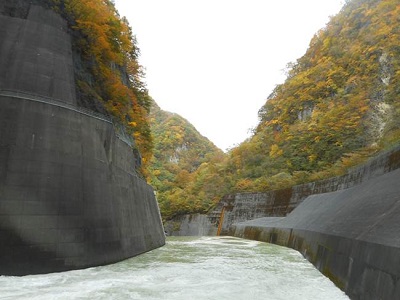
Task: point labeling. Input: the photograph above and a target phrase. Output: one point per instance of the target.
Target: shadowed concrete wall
(36, 55)
(69, 193)
(190, 225)
(351, 236)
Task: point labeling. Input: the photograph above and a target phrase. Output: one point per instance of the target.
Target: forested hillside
(338, 106)
(339, 103)
(181, 154)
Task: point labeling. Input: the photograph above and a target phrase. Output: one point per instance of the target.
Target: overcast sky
(215, 62)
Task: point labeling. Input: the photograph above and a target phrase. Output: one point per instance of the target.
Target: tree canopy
(179, 170)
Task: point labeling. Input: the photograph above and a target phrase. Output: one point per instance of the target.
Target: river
(187, 268)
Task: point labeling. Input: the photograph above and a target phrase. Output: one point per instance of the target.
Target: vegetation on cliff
(109, 77)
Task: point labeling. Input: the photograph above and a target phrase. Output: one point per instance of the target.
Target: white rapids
(187, 268)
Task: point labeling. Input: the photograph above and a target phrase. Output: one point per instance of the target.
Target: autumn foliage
(109, 72)
(338, 106)
(180, 170)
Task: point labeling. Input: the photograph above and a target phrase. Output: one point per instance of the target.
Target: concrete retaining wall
(70, 196)
(190, 225)
(351, 236)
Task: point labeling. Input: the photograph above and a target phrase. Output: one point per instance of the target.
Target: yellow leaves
(179, 137)
(312, 158)
(272, 122)
(339, 144)
(275, 151)
(244, 185)
(183, 178)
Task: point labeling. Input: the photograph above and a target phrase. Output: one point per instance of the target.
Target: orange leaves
(110, 54)
(95, 19)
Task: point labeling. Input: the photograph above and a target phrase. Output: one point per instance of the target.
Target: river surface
(187, 268)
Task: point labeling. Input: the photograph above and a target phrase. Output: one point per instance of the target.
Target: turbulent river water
(187, 268)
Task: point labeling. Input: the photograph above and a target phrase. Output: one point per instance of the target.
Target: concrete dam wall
(351, 236)
(70, 196)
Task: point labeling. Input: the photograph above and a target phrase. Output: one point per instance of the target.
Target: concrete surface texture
(36, 55)
(351, 236)
(190, 225)
(70, 196)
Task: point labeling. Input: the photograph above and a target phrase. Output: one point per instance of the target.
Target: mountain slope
(341, 97)
(180, 155)
(338, 106)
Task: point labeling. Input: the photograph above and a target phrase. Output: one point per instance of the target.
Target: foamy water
(187, 268)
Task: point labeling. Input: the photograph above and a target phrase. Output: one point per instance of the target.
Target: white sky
(215, 62)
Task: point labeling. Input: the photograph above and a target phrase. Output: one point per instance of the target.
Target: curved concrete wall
(351, 236)
(70, 196)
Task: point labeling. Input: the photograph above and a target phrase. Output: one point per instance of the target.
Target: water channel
(187, 268)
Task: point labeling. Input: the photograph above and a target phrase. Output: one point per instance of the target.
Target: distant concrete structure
(70, 196)
(190, 225)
